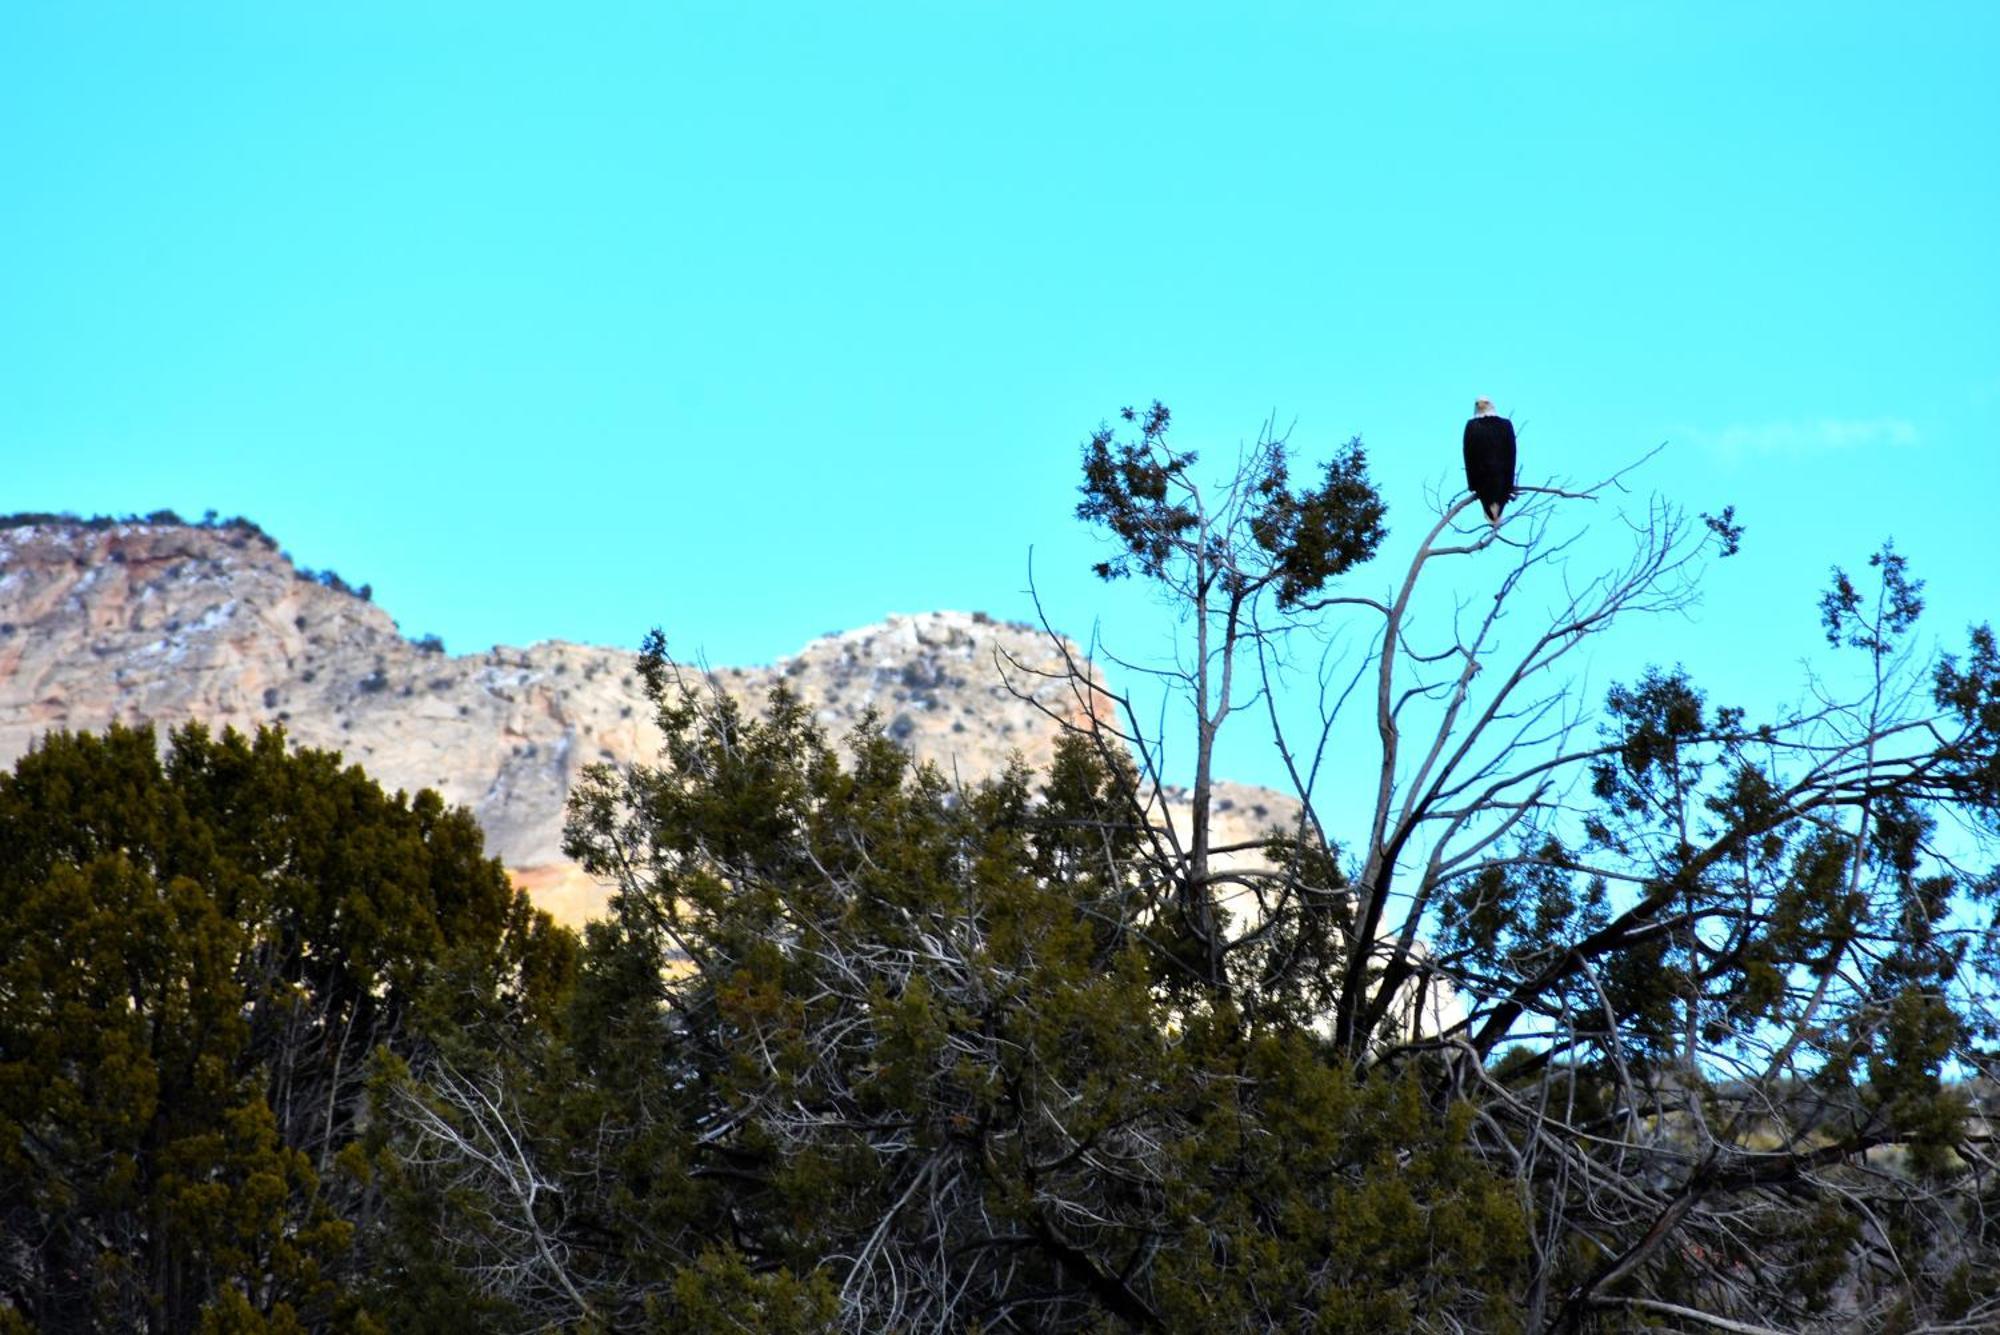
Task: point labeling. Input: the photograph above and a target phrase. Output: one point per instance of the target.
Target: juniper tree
(858, 1050)
(1721, 984)
(199, 954)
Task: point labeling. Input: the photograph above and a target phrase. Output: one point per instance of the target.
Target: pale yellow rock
(171, 623)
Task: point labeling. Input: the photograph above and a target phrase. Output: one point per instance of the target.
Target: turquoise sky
(757, 321)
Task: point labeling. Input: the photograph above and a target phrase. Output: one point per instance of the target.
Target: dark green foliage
(1317, 534)
(1968, 690)
(856, 1049)
(1708, 969)
(1898, 603)
(1727, 531)
(1142, 490)
(1712, 1041)
(243, 529)
(330, 579)
(199, 952)
(1128, 487)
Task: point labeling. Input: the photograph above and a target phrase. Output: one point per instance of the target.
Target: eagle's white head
(1482, 407)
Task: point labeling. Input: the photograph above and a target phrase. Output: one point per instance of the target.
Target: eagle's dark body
(1489, 462)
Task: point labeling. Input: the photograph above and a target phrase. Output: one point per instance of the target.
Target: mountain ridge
(154, 620)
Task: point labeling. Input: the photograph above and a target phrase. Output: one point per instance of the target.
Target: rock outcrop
(166, 623)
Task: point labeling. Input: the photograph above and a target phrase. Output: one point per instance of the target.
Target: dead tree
(1704, 973)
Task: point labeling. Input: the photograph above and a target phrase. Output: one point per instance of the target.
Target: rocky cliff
(165, 622)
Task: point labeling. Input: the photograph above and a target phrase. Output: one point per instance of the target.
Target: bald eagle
(1489, 458)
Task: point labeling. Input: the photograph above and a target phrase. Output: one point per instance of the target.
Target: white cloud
(1794, 438)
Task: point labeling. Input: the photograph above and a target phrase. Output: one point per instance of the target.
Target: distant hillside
(158, 620)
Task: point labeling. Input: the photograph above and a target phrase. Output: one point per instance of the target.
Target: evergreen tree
(1595, 1017)
(199, 956)
(859, 1051)
(1719, 989)
(1661, 1015)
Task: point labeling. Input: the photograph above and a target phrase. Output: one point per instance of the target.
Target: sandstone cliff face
(167, 623)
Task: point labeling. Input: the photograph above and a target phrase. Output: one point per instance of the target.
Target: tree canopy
(1599, 1015)
(1719, 986)
(1621, 1011)
(860, 1050)
(200, 954)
